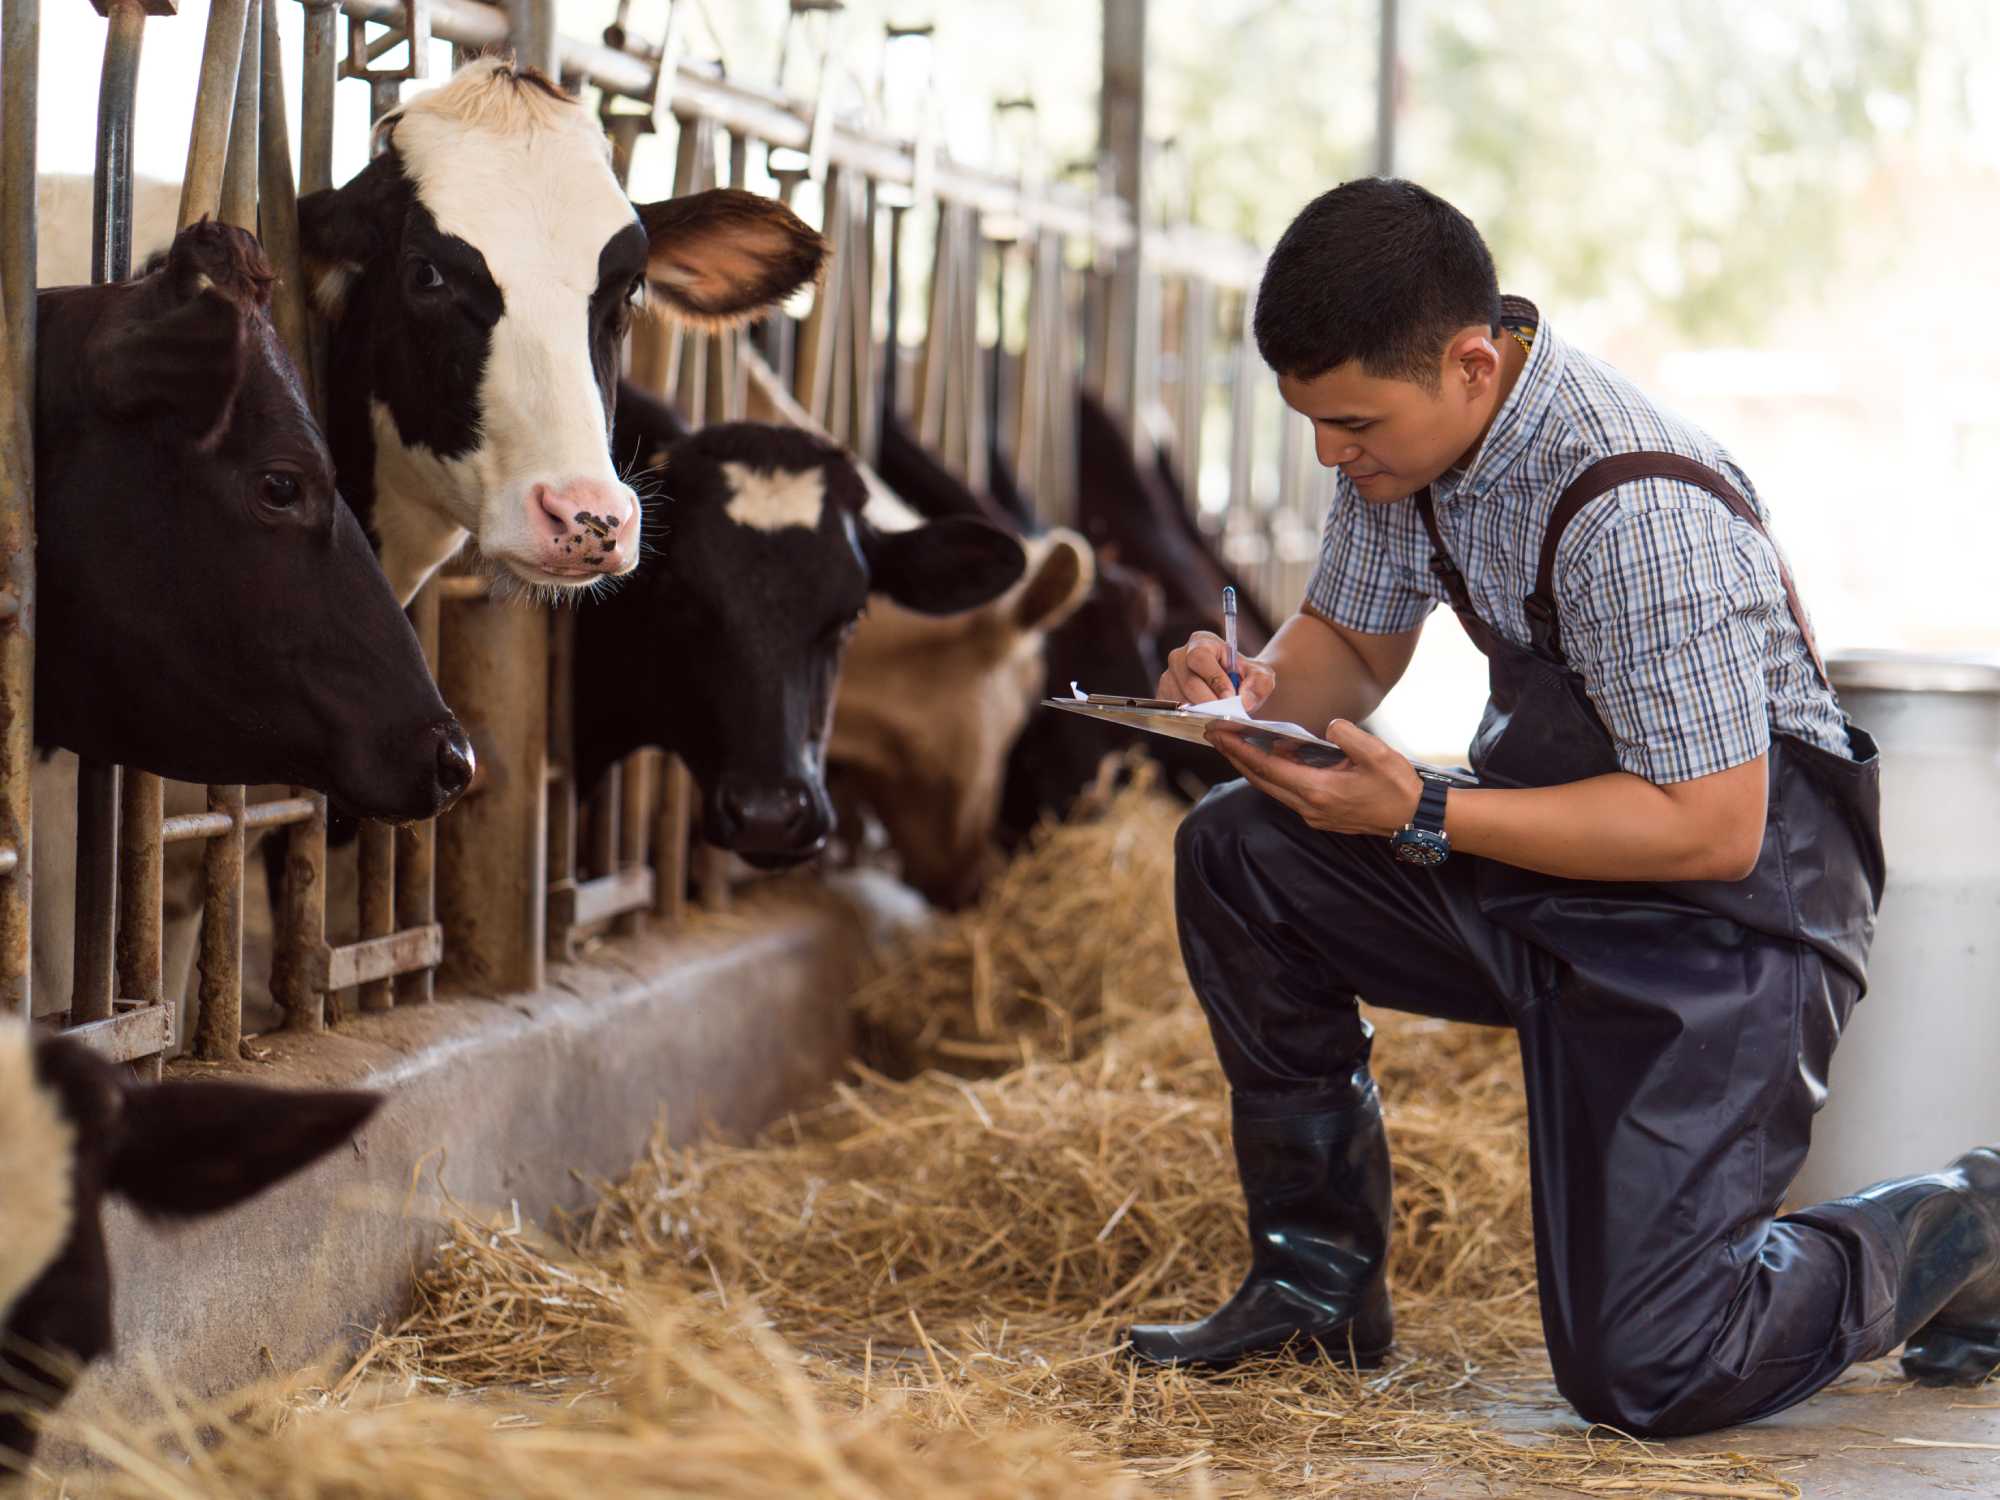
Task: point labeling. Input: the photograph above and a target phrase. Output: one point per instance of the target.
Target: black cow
(75, 1129)
(738, 620)
(208, 607)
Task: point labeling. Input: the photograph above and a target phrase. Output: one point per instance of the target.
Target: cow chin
(775, 860)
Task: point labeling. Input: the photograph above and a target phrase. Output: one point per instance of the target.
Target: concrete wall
(730, 1022)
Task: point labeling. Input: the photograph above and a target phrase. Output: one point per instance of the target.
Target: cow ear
(945, 567)
(189, 1149)
(1058, 581)
(722, 256)
(342, 229)
(187, 361)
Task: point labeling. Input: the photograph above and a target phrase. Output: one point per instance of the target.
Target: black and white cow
(480, 274)
(739, 618)
(207, 606)
(74, 1129)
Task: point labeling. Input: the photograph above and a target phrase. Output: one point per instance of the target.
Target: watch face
(1417, 846)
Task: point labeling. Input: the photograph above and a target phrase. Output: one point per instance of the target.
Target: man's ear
(185, 1150)
(722, 256)
(944, 567)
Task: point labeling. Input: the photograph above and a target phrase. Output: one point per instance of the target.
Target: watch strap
(1430, 807)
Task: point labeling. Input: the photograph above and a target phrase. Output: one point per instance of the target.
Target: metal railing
(517, 873)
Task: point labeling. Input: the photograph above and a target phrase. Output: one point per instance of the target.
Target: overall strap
(1455, 591)
(1607, 474)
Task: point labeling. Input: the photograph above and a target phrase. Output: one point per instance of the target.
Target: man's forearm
(1615, 827)
(1320, 676)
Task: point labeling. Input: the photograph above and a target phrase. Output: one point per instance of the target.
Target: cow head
(209, 608)
(739, 623)
(75, 1129)
(481, 273)
(928, 710)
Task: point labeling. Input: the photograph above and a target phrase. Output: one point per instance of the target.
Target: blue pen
(1229, 637)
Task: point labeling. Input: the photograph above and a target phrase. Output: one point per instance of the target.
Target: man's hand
(1374, 791)
(1195, 674)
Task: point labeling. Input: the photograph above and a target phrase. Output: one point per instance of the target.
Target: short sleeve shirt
(1672, 609)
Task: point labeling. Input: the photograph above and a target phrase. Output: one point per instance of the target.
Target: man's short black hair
(1377, 271)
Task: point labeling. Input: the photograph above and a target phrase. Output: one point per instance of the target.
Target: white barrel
(1916, 1078)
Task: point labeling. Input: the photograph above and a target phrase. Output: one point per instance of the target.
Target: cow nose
(772, 819)
(585, 526)
(455, 763)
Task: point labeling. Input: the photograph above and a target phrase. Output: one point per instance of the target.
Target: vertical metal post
(222, 52)
(300, 920)
(670, 841)
(278, 213)
(639, 789)
(1387, 66)
(1122, 138)
(416, 845)
(565, 796)
(96, 890)
(493, 667)
(531, 24)
(240, 169)
(219, 1027)
(378, 904)
(316, 97)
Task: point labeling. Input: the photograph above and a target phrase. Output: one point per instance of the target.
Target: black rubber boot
(1315, 1173)
(1948, 1303)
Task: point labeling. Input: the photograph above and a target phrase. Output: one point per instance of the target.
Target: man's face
(1390, 437)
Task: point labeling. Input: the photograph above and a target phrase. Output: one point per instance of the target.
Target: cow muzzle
(582, 530)
(771, 824)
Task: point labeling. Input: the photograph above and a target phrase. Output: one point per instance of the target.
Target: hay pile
(927, 1275)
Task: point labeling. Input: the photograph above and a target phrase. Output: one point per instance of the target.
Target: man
(1666, 881)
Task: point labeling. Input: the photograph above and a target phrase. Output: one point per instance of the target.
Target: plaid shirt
(1671, 608)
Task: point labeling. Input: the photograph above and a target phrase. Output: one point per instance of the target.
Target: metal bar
(20, 48)
(416, 845)
(219, 1024)
(316, 97)
(278, 216)
(532, 28)
(670, 841)
(630, 857)
(111, 191)
(493, 666)
(1386, 68)
(184, 826)
(564, 794)
(96, 888)
(215, 94)
(1121, 134)
(139, 889)
(770, 116)
(300, 922)
(240, 169)
(622, 896)
(378, 904)
(379, 960)
(143, 1031)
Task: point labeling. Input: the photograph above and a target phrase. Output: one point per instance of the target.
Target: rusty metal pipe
(316, 97)
(670, 840)
(215, 98)
(634, 808)
(219, 1022)
(300, 921)
(20, 48)
(140, 965)
(240, 169)
(96, 889)
(378, 904)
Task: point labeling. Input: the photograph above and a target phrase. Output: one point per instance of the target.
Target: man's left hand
(1373, 791)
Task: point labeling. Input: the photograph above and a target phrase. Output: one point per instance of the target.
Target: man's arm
(1313, 670)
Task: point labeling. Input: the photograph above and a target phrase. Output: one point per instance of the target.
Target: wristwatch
(1422, 840)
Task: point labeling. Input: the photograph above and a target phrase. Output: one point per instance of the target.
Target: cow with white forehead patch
(742, 615)
(480, 275)
(75, 1129)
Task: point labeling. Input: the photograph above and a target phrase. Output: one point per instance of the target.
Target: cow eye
(636, 292)
(425, 277)
(279, 489)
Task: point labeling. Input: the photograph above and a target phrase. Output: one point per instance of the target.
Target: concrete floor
(1870, 1436)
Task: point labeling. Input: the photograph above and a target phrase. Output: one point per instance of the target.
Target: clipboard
(1178, 721)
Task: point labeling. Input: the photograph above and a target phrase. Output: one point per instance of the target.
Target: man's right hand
(1195, 675)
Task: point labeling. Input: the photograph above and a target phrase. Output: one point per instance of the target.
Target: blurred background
(1777, 217)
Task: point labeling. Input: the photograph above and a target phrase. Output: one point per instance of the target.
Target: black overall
(1674, 1037)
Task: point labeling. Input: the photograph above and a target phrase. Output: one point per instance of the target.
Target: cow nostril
(455, 762)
